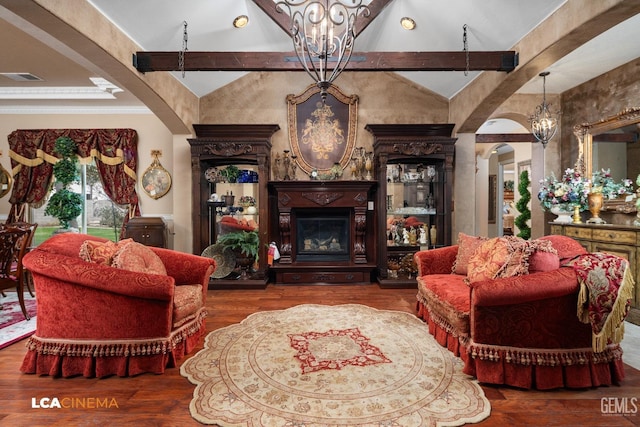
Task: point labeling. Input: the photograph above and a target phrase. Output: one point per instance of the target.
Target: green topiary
(65, 204)
(523, 206)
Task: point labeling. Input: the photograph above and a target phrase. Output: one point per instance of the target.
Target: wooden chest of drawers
(150, 231)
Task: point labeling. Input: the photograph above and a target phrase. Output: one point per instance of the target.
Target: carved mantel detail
(322, 198)
(417, 148)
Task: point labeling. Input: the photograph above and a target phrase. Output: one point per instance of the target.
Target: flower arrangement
(570, 191)
(247, 201)
(602, 182)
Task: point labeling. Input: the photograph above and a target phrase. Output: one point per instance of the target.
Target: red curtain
(32, 159)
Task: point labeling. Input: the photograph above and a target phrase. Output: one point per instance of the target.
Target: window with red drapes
(32, 158)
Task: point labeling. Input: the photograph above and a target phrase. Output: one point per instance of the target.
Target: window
(100, 216)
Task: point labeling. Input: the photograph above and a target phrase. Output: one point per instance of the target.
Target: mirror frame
(584, 133)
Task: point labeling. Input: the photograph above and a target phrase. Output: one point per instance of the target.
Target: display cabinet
(414, 168)
(230, 170)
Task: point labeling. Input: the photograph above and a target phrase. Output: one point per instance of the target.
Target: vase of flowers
(560, 196)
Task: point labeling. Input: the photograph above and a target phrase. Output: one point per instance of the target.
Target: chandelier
(544, 123)
(323, 32)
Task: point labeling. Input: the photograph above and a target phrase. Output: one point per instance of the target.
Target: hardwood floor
(163, 400)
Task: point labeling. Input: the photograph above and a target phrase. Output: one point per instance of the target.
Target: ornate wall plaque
(322, 134)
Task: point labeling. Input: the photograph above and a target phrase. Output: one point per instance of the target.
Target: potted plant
(523, 206)
(230, 173)
(245, 245)
(65, 204)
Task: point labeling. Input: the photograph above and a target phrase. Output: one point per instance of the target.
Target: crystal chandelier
(544, 123)
(323, 32)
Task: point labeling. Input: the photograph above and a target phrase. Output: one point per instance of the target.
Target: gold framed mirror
(611, 143)
(5, 181)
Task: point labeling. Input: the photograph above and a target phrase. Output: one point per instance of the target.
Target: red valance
(32, 159)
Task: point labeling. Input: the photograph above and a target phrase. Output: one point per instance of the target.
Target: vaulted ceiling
(158, 25)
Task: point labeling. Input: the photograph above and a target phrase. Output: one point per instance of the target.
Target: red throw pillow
(499, 257)
(567, 247)
(544, 258)
(137, 257)
(467, 245)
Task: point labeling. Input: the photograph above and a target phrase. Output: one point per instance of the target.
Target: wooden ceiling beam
(506, 61)
(629, 137)
(505, 137)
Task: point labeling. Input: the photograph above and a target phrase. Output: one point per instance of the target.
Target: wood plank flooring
(163, 400)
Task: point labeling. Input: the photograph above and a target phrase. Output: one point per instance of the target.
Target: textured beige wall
(383, 98)
(604, 96)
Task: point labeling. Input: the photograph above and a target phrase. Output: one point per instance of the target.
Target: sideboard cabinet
(414, 170)
(620, 240)
(215, 148)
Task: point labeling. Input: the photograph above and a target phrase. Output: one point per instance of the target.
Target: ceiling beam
(360, 61)
(505, 137)
(630, 137)
(375, 8)
(282, 19)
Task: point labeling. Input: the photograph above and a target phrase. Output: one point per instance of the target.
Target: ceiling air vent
(22, 77)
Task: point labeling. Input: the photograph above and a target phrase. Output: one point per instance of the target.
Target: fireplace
(325, 231)
(322, 236)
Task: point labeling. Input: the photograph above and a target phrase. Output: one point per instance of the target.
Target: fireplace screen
(322, 238)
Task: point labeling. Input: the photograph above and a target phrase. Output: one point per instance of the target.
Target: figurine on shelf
(276, 168)
(286, 162)
(423, 236)
(405, 236)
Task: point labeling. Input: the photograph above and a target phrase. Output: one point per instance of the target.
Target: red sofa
(520, 331)
(97, 320)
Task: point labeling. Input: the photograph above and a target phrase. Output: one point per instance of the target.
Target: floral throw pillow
(467, 245)
(138, 257)
(499, 257)
(100, 252)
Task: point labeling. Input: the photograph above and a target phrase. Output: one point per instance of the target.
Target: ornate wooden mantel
(288, 197)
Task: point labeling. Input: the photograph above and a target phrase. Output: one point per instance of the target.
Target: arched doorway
(497, 174)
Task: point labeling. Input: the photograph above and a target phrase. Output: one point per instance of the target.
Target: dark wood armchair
(14, 241)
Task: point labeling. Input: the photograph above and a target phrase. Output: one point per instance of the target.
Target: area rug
(316, 365)
(13, 325)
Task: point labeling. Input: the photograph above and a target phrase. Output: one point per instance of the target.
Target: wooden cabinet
(150, 231)
(217, 147)
(414, 169)
(620, 240)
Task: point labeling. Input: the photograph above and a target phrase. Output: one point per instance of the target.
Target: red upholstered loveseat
(521, 331)
(97, 320)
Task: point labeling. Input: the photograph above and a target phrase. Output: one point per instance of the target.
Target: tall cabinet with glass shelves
(230, 170)
(414, 168)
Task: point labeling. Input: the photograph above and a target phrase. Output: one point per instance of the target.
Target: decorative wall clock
(156, 180)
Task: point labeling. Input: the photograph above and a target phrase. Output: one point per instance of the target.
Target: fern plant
(523, 206)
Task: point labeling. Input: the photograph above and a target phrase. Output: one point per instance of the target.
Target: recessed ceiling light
(408, 23)
(241, 21)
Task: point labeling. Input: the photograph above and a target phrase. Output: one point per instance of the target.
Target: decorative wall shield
(321, 135)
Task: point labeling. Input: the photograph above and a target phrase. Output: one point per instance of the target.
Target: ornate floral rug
(13, 325)
(345, 365)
